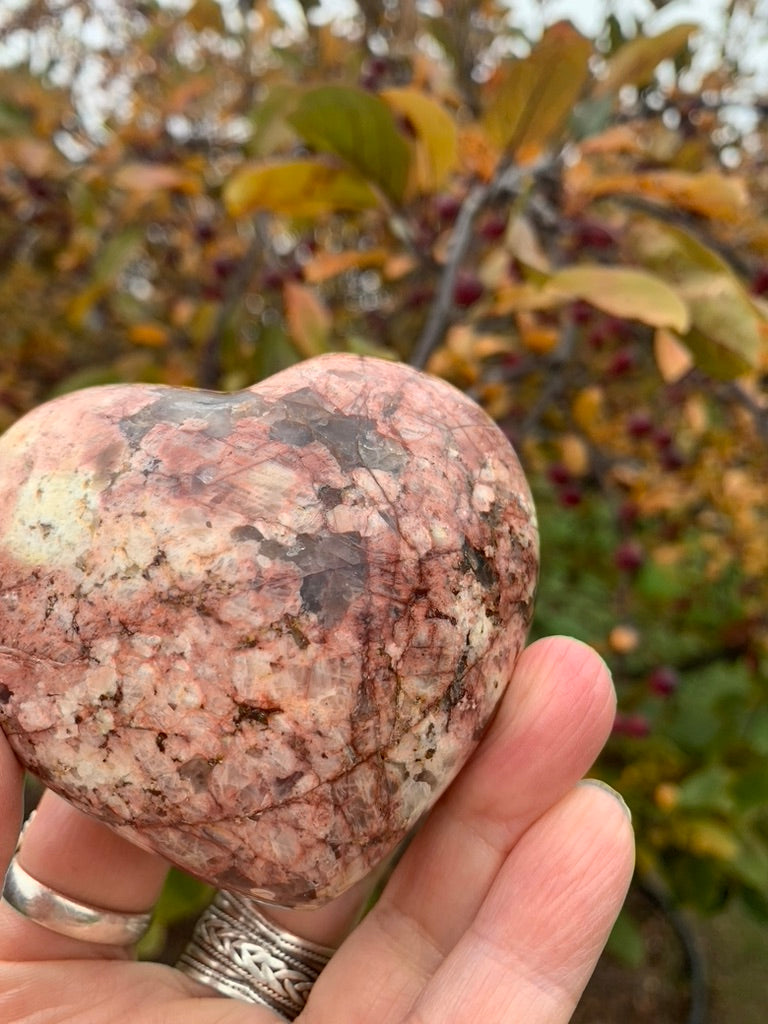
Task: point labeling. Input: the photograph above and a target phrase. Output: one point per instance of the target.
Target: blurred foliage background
(571, 229)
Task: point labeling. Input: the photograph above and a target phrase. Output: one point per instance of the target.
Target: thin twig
(698, 1011)
(209, 369)
(440, 313)
(507, 182)
(689, 223)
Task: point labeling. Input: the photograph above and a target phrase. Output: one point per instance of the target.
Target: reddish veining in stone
(260, 632)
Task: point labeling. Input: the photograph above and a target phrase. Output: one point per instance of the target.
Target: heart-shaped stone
(259, 633)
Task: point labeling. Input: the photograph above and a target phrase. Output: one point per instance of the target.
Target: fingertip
(11, 801)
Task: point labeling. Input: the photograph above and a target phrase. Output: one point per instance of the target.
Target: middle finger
(552, 724)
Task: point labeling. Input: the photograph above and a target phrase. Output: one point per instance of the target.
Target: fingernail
(599, 784)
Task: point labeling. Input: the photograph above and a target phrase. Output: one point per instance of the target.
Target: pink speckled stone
(260, 632)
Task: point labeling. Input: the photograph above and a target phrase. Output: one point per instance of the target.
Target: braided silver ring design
(237, 951)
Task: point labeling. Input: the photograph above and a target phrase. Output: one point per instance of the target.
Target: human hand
(496, 913)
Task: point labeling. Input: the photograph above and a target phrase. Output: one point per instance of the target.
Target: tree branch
(209, 368)
(508, 181)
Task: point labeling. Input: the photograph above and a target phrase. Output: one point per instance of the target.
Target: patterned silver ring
(58, 913)
(236, 951)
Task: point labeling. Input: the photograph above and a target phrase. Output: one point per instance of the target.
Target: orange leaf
(477, 153)
(309, 320)
(636, 61)
(142, 177)
(587, 408)
(673, 359)
(709, 193)
(325, 265)
(532, 99)
(149, 335)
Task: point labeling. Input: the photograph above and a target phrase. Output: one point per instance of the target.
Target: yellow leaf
(574, 454)
(708, 839)
(325, 265)
(587, 408)
(523, 243)
(296, 188)
(673, 359)
(437, 150)
(724, 336)
(205, 14)
(623, 292)
(309, 321)
(534, 97)
(635, 62)
(144, 177)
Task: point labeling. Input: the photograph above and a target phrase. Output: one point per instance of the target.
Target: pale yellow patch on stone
(54, 519)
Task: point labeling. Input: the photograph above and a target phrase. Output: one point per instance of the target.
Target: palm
(496, 913)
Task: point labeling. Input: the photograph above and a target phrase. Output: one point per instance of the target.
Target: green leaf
(14, 120)
(296, 188)
(750, 789)
(274, 352)
(361, 346)
(636, 61)
(623, 292)
(361, 129)
(757, 732)
(536, 96)
(626, 941)
(707, 790)
(750, 865)
(270, 132)
(725, 327)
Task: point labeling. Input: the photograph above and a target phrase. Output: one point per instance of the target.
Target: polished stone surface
(260, 632)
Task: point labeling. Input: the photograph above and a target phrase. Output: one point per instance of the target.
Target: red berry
(635, 726)
(591, 234)
(662, 438)
(558, 474)
(447, 208)
(629, 556)
(628, 515)
(672, 460)
(569, 496)
(639, 425)
(493, 227)
(622, 363)
(664, 680)
(467, 289)
(760, 281)
(599, 336)
(224, 267)
(582, 312)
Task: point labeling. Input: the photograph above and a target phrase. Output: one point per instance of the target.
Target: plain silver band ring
(241, 954)
(59, 913)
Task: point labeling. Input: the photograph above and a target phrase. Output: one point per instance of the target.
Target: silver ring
(237, 951)
(65, 916)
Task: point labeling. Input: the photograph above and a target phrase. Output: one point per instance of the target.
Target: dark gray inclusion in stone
(335, 571)
(333, 567)
(352, 440)
(220, 411)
